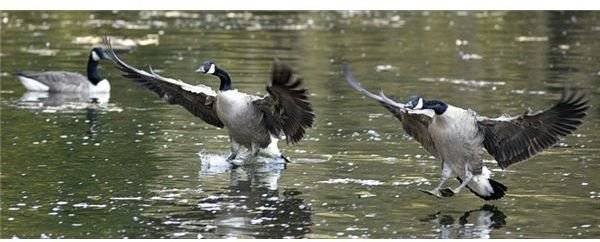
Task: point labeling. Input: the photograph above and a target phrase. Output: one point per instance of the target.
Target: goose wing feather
(513, 139)
(199, 99)
(414, 124)
(286, 108)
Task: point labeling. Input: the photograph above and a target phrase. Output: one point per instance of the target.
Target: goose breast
(241, 117)
(457, 139)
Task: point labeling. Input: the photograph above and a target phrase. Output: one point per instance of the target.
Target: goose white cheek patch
(95, 56)
(212, 69)
(419, 104)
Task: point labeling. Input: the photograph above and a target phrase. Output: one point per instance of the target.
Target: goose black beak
(201, 69)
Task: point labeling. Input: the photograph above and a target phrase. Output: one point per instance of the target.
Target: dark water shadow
(473, 224)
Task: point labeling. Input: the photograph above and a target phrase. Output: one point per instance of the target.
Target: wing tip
(108, 45)
(564, 118)
(574, 95)
(350, 77)
(573, 103)
(282, 74)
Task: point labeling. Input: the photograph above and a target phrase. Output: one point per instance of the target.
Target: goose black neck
(92, 71)
(438, 106)
(225, 80)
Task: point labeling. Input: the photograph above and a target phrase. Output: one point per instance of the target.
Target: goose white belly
(456, 138)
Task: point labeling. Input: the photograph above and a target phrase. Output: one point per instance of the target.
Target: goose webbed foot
(448, 192)
(434, 192)
(437, 192)
(440, 193)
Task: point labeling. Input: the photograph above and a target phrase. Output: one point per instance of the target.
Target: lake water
(136, 167)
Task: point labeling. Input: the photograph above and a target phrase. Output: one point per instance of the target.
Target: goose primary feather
(254, 122)
(64, 81)
(457, 136)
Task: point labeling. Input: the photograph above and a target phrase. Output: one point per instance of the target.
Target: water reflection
(258, 171)
(61, 102)
(49, 102)
(92, 117)
(258, 175)
(473, 224)
(259, 211)
(251, 206)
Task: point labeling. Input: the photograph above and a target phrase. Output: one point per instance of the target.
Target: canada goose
(457, 136)
(252, 121)
(63, 81)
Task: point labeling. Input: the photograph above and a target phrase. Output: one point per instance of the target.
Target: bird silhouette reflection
(61, 102)
(252, 205)
(473, 224)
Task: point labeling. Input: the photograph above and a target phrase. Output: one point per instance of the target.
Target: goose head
(98, 54)
(418, 103)
(210, 67)
(415, 103)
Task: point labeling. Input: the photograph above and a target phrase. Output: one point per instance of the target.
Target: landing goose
(254, 122)
(458, 136)
(63, 81)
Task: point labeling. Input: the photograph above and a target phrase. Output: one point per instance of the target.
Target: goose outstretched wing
(286, 108)
(415, 123)
(199, 99)
(513, 139)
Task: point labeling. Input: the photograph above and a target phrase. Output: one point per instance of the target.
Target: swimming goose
(457, 136)
(63, 81)
(253, 122)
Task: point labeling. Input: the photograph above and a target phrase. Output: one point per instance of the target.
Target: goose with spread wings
(254, 122)
(457, 136)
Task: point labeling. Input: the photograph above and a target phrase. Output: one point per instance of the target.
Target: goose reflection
(51, 102)
(256, 171)
(254, 206)
(61, 102)
(474, 224)
(250, 205)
